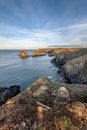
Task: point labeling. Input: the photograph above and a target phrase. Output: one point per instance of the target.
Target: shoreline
(47, 104)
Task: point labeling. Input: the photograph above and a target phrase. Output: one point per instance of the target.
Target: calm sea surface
(17, 71)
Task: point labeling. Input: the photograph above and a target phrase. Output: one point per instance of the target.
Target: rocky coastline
(72, 66)
(47, 104)
(52, 51)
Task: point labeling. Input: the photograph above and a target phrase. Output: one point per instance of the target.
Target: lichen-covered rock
(64, 123)
(35, 108)
(63, 93)
(78, 111)
(24, 54)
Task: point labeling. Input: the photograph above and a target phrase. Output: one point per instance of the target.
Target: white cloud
(25, 38)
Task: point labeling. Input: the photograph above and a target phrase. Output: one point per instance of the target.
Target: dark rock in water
(75, 71)
(24, 54)
(50, 54)
(7, 93)
(59, 59)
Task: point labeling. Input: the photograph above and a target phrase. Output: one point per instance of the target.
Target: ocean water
(17, 71)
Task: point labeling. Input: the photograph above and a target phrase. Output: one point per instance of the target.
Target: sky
(27, 24)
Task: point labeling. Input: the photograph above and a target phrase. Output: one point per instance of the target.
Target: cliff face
(63, 56)
(46, 105)
(75, 70)
(72, 65)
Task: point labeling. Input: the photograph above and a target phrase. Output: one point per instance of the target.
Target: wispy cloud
(70, 35)
(35, 23)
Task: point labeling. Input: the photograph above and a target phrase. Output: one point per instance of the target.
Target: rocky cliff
(52, 51)
(63, 56)
(75, 71)
(46, 105)
(72, 65)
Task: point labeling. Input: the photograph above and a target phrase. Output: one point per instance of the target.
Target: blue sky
(26, 24)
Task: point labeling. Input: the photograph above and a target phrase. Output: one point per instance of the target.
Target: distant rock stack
(24, 54)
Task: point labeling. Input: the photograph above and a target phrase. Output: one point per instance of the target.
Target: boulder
(24, 54)
(63, 93)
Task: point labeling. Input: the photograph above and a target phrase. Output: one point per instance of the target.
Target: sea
(23, 72)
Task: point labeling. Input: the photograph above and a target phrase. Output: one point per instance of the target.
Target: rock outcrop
(62, 57)
(24, 54)
(36, 108)
(7, 93)
(38, 53)
(75, 71)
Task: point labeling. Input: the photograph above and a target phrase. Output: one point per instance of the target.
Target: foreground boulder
(7, 93)
(36, 109)
(75, 71)
(24, 54)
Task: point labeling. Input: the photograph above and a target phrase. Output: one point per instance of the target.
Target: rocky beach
(47, 104)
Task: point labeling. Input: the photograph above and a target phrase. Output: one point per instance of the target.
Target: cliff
(63, 56)
(75, 71)
(72, 65)
(46, 105)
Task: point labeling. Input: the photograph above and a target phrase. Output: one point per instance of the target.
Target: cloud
(16, 37)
